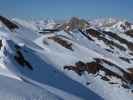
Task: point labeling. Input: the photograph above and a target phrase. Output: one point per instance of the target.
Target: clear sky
(59, 9)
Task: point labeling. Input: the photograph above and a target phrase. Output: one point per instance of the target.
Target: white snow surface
(41, 74)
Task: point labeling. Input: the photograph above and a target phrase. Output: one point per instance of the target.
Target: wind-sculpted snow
(11, 89)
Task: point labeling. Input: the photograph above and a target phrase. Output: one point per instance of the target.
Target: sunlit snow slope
(73, 60)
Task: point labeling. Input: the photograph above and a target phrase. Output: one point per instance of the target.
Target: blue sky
(60, 9)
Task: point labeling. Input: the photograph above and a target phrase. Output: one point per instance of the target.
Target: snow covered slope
(77, 59)
(12, 89)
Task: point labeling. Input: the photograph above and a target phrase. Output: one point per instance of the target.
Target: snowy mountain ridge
(76, 59)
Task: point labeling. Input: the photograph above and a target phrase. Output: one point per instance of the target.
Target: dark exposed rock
(88, 83)
(130, 70)
(79, 64)
(80, 67)
(113, 83)
(130, 75)
(97, 65)
(93, 67)
(101, 36)
(126, 25)
(87, 36)
(21, 60)
(62, 42)
(125, 86)
(93, 32)
(45, 42)
(129, 32)
(121, 40)
(131, 53)
(127, 77)
(1, 44)
(10, 25)
(45, 31)
(78, 70)
(112, 44)
(109, 50)
(125, 59)
(105, 78)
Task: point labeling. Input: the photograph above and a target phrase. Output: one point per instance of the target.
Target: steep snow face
(79, 64)
(11, 89)
(109, 64)
(24, 59)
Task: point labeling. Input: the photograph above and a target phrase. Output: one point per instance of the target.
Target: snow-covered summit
(111, 24)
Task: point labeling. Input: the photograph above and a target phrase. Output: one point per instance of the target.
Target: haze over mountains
(74, 59)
